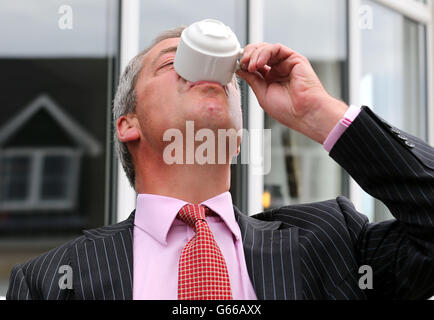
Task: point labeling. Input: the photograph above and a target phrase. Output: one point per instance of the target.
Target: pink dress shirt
(159, 239)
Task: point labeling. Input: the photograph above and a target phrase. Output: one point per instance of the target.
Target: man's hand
(288, 89)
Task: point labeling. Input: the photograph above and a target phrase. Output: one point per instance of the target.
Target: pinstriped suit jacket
(309, 251)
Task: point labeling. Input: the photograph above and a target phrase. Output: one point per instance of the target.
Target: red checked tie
(202, 268)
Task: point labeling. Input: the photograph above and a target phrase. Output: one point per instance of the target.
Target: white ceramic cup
(207, 51)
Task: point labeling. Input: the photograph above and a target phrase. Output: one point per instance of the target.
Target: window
(15, 174)
(394, 69)
(158, 16)
(316, 29)
(57, 177)
(37, 179)
(394, 78)
(57, 61)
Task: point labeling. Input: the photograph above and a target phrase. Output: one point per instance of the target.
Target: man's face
(166, 101)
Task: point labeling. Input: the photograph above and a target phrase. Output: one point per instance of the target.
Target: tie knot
(191, 213)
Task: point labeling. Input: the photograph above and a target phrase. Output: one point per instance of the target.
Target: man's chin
(213, 117)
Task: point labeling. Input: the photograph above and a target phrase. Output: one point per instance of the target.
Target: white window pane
(391, 70)
(14, 178)
(300, 168)
(393, 79)
(315, 28)
(56, 178)
(56, 28)
(158, 16)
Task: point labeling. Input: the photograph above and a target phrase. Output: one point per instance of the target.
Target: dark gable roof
(43, 122)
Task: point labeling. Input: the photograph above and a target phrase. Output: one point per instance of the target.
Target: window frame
(34, 199)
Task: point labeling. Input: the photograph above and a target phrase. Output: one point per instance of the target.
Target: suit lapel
(272, 258)
(123, 241)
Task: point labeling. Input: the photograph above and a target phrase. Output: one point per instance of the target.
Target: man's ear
(127, 128)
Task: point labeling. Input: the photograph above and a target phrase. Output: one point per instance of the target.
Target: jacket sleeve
(18, 288)
(397, 169)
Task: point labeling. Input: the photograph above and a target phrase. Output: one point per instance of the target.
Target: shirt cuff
(341, 126)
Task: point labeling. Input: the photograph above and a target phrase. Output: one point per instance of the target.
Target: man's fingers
(264, 71)
(250, 48)
(254, 59)
(281, 70)
(255, 80)
(278, 53)
(248, 51)
(259, 55)
(264, 63)
(272, 54)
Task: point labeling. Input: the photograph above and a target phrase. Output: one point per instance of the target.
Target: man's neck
(190, 183)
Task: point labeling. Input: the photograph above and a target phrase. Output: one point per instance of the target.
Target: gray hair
(125, 99)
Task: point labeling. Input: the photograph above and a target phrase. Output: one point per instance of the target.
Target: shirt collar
(223, 207)
(155, 214)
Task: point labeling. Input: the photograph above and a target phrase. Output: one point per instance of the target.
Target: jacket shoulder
(334, 216)
(39, 275)
(329, 209)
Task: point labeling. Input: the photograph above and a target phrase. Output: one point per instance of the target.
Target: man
(311, 251)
